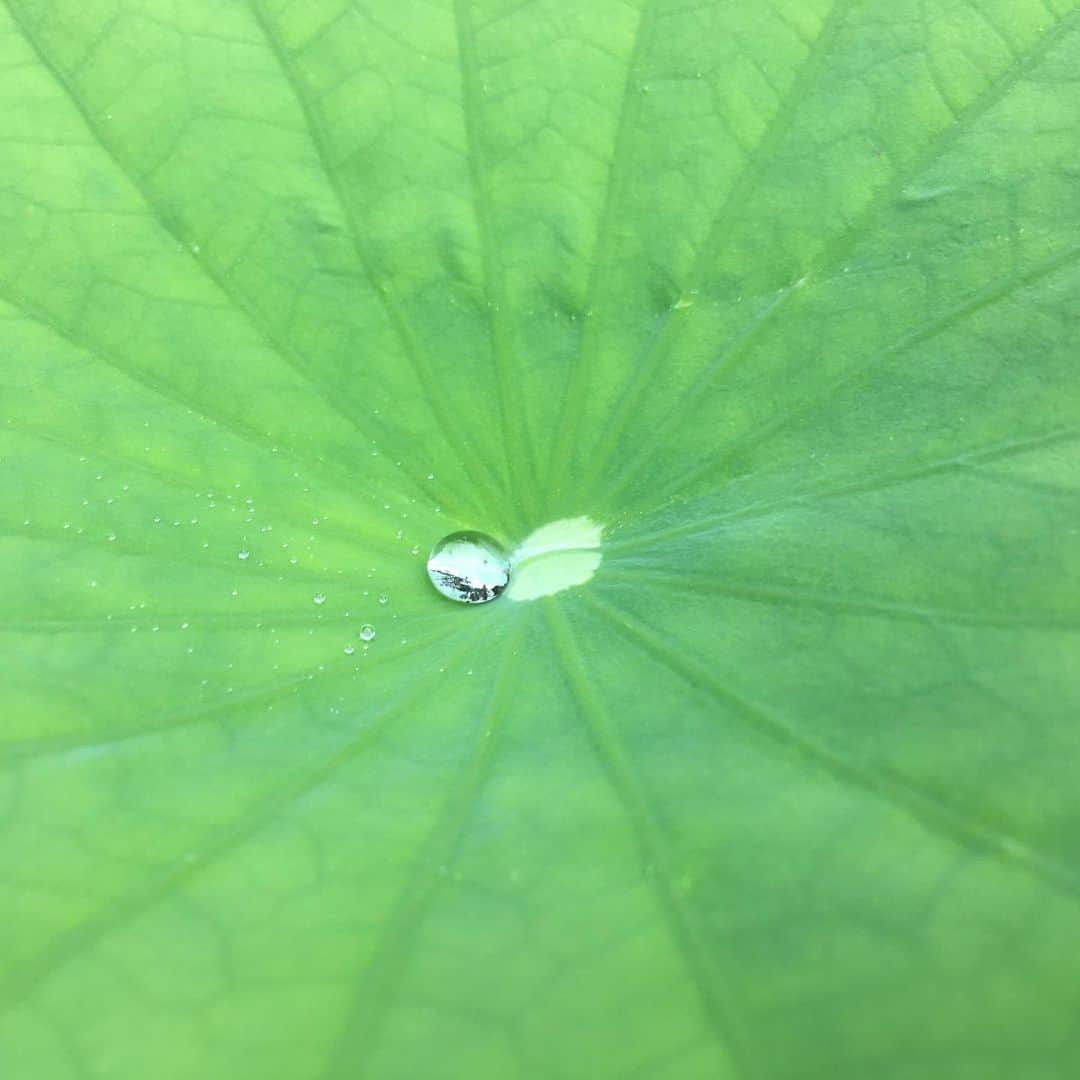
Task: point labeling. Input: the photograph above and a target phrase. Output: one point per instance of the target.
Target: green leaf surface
(783, 296)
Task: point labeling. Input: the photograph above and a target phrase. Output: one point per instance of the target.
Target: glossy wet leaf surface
(781, 295)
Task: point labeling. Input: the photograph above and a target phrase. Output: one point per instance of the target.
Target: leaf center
(554, 557)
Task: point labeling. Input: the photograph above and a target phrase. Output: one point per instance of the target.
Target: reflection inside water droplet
(469, 567)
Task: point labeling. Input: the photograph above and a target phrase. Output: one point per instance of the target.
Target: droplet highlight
(470, 567)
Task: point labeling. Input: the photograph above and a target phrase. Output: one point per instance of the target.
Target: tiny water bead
(469, 567)
(367, 632)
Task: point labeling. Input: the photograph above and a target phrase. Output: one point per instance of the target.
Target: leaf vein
(18, 982)
(923, 806)
(717, 1006)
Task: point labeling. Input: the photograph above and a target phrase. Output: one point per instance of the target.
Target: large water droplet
(469, 567)
(367, 632)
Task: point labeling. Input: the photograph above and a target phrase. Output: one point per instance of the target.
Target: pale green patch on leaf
(555, 557)
(781, 781)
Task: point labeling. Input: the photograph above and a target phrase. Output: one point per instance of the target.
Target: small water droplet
(243, 554)
(367, 632)
(384, 599)
(350, 649)
(470, 567)
(319, 598)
